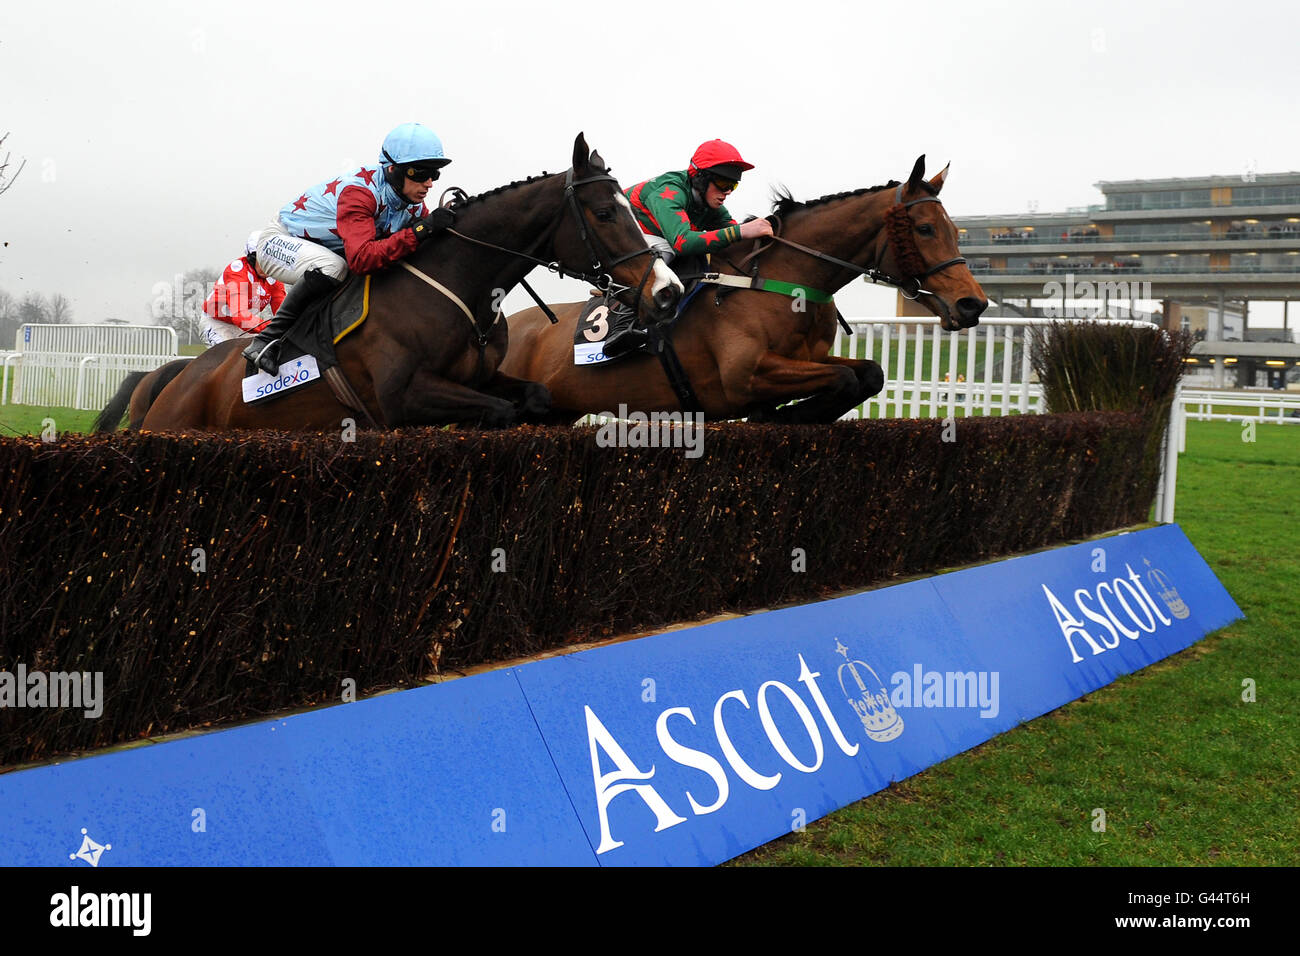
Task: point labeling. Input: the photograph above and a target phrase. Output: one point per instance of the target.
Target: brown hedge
(374, 560)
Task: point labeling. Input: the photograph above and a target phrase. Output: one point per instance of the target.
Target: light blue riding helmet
(413, 145)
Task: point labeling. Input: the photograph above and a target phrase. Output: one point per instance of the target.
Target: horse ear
(937, 182)
(597, 162)
(918, 172)
(580, 152)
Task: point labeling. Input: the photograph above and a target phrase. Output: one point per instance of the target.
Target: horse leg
(531, 399)
(432, 400)
(871, 377)
(834, 387)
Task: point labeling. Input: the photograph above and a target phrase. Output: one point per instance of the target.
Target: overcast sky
(157, 135)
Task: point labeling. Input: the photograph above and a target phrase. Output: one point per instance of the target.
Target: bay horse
(422, 358)
(747, 351)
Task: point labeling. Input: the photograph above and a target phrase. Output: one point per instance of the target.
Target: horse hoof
(536, 403)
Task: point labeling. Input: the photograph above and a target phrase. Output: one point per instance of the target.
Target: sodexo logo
(865, 697)
(1123, 607)
(262, 385)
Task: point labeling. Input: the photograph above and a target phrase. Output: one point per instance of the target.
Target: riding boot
(264, 350)
(625, 335)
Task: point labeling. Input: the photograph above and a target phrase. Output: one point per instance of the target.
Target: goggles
(422, 173)
(724, 186)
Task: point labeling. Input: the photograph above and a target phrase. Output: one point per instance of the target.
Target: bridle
(909, 286)
(609, 285)
(599, 276)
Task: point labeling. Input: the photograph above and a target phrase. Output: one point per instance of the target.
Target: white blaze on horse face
(664, 276)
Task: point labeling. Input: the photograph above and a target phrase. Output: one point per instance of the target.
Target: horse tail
(161, 379)
(111, 416)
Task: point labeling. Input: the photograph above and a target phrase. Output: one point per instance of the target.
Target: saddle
(307, 351)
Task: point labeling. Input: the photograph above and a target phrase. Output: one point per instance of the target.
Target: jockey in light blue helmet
(411, 150)
(359, 222)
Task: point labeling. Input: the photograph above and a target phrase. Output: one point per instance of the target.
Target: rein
(602, 280)
(910, 286)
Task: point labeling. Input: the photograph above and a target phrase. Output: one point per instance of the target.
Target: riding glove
(435, 222)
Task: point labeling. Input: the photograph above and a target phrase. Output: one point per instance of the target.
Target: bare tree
(6, 178)
(60, 309)
(179, 303)
(33, 309)
(9, 323)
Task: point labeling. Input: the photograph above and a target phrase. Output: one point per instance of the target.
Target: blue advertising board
(685, 748)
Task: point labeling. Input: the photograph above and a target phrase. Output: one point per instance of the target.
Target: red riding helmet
(719, 158)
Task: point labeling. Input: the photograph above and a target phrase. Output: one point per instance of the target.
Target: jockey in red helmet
(682, 215)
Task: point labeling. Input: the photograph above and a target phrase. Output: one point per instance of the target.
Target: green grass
(1186, 771)
(27, 420)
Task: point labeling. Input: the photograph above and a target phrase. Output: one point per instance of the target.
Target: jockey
(682, 214)
(358, 222)
(234, 308)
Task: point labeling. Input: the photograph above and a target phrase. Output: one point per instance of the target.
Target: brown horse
(420, 359)
(747, 351)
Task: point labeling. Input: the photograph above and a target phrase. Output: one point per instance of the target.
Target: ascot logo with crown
(1166, 591)
(868, 698)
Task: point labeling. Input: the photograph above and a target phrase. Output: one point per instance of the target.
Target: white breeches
(285, 258)
(216, 330)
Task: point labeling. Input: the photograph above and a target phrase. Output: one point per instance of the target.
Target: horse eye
(925, 229)
(605, 215)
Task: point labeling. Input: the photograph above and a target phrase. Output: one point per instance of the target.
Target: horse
(746, 350)
(427, 357)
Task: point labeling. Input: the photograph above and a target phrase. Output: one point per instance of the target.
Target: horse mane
(461, 201)
(783, 203)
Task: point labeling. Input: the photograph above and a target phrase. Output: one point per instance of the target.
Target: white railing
(1276, 406)
(81, 366)
(920, 387)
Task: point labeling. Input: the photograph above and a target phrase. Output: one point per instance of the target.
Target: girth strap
(347, 396)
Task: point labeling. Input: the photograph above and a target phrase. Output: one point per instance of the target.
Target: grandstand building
(1205, 247)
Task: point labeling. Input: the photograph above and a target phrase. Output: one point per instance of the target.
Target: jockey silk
(666, 206)
(314, 215)
(241, 294)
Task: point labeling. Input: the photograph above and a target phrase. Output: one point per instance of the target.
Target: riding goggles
(724, 185)
(422, 173)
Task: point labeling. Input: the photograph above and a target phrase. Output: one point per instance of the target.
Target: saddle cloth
(593, 328)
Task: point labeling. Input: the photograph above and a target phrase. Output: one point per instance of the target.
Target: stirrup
(268, 358)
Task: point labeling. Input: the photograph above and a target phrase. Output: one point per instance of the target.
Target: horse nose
(970, 308)
(666, 298)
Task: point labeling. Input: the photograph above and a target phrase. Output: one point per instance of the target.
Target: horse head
(603, 231)
(920, 247)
